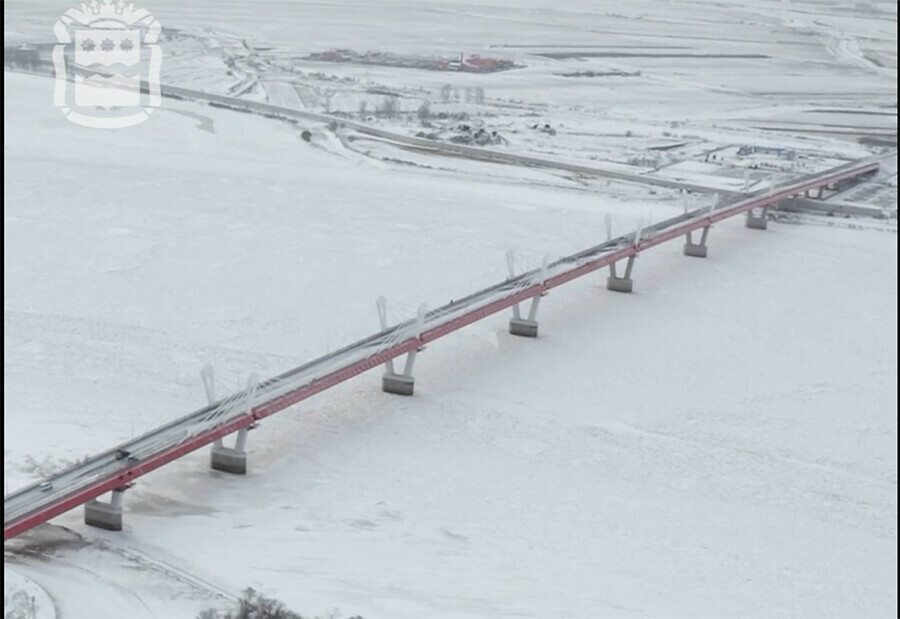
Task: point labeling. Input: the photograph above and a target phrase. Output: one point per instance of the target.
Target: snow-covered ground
(722, 442)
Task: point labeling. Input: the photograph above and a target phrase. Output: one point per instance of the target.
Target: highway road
(434, 146)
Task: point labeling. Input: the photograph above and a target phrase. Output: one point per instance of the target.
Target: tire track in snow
(77, 591)
(847, 50)
(164, 567)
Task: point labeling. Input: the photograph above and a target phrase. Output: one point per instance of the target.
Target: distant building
(472, 64)
(485, 65)
(781, 153)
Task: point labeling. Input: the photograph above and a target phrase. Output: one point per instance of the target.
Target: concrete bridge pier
(230, 459)
(105, 515)
(621, 284)
(523, 327)
(402, 383)
(526, 327)
(757, 220)
(696, 250)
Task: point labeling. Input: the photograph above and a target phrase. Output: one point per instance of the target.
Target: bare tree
(389, 107)
(424, 111)
(329, 93)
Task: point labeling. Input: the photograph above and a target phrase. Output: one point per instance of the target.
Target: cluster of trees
(254, 605)
(472, 95)
(389, 107)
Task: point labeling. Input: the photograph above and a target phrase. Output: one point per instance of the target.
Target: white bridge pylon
(526, 327)
(230, 459)
(403, 383)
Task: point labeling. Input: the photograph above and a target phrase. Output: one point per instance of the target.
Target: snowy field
(721, 443)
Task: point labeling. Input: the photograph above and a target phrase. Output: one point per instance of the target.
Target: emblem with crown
(107, 53)
(106, 10)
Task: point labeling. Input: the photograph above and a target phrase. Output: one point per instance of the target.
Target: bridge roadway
(86, 480)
